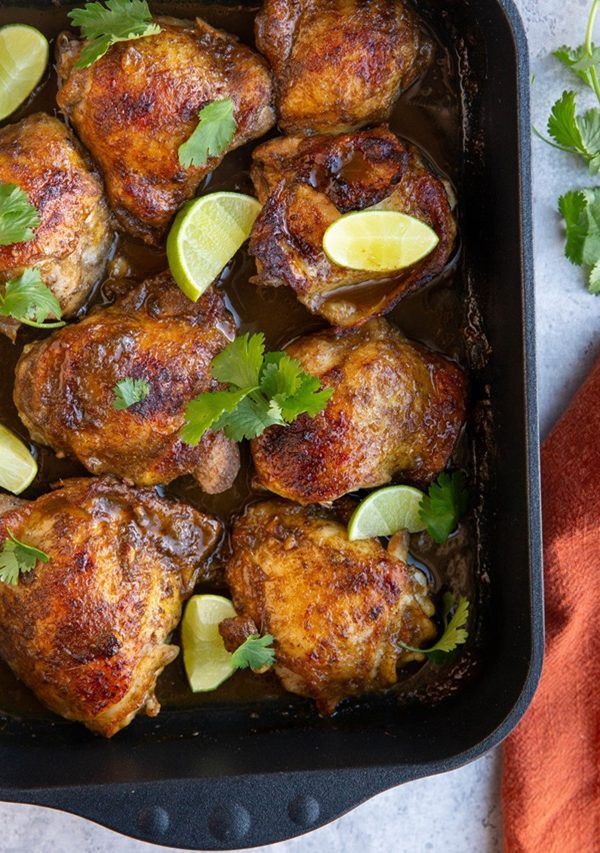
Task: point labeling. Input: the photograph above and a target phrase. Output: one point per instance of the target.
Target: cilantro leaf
(252, 416)
(441, 508)
(266, 389)
(16, 558)
(575, 134)
(28, 300)
(240, 362)
(579, 61)
(454, 634)
(207, 410)
(18, 216)
(212, 135)
(255, 652)
(103, 26)
(129, 391)
(581, 212)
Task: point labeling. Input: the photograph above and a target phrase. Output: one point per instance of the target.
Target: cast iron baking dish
(247, 771)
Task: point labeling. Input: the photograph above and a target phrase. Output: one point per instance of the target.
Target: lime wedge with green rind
(385, 512)
(18, 468)
(204, 237)
(378, 240)
(207, 662)
(23, 59)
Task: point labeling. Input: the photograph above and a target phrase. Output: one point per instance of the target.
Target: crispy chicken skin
(397, 410)
(87, 631)
(64, 386)
(339, 64)
(136, 106)
(71, 244)
(335, 608)
(305, 184)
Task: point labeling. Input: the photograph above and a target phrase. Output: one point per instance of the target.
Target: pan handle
(221, 813)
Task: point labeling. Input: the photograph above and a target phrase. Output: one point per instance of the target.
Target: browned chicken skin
(71, 245)
(305, 184)
(397, 410)
(64, 388)
(335, 608)
(339, 64)
(87, 631)
(136, 106)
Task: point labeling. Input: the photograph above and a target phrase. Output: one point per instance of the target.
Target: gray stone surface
(460, 810)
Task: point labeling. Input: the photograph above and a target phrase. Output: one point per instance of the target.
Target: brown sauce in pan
(429, 115)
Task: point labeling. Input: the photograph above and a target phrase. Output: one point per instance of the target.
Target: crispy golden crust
(136, 106)
(335, 608)
(397, 411)
(339, 64)
(64, 386)
(71, 244)
(306, 184)
(87, 631)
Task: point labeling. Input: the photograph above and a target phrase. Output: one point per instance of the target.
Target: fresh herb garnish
(28, 300)
(579, 134)
(129, 391)
(255, 652)
(17, 558)
(441, 508)
(120, 20)
(581, 212)
(454, 633)
(212, 136)
(264, 390)
(18, 216)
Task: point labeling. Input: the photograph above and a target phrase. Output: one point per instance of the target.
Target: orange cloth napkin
(551, 777)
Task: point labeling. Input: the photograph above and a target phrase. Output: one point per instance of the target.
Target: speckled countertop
(463, 805)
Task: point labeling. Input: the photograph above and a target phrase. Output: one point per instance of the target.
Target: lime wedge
(23, 60)
(378, 240)
(204, 237)
(207, 662)
(17, 466)
(385, 512)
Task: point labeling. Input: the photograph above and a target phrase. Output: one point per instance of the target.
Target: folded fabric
(551, 782)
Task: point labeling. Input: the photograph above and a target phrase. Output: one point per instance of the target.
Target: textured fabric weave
(551, 777)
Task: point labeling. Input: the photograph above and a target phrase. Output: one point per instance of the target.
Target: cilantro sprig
(128, 392)
(579, 134)
(212, 136)
(264, 389)
(445, 502)
(103, 26)
(28, 300)
(454, 633)
(18, 558)
(18, 216)
(255, 652)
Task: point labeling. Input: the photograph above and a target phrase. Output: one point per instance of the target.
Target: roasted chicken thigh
(136, 106)
(71, 245)
(397, 410)
(306, 184)
(339, 64)
(65, 386)
(336, 609)
(88, 630)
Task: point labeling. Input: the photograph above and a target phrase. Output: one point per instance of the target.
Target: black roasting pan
(229, 775)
